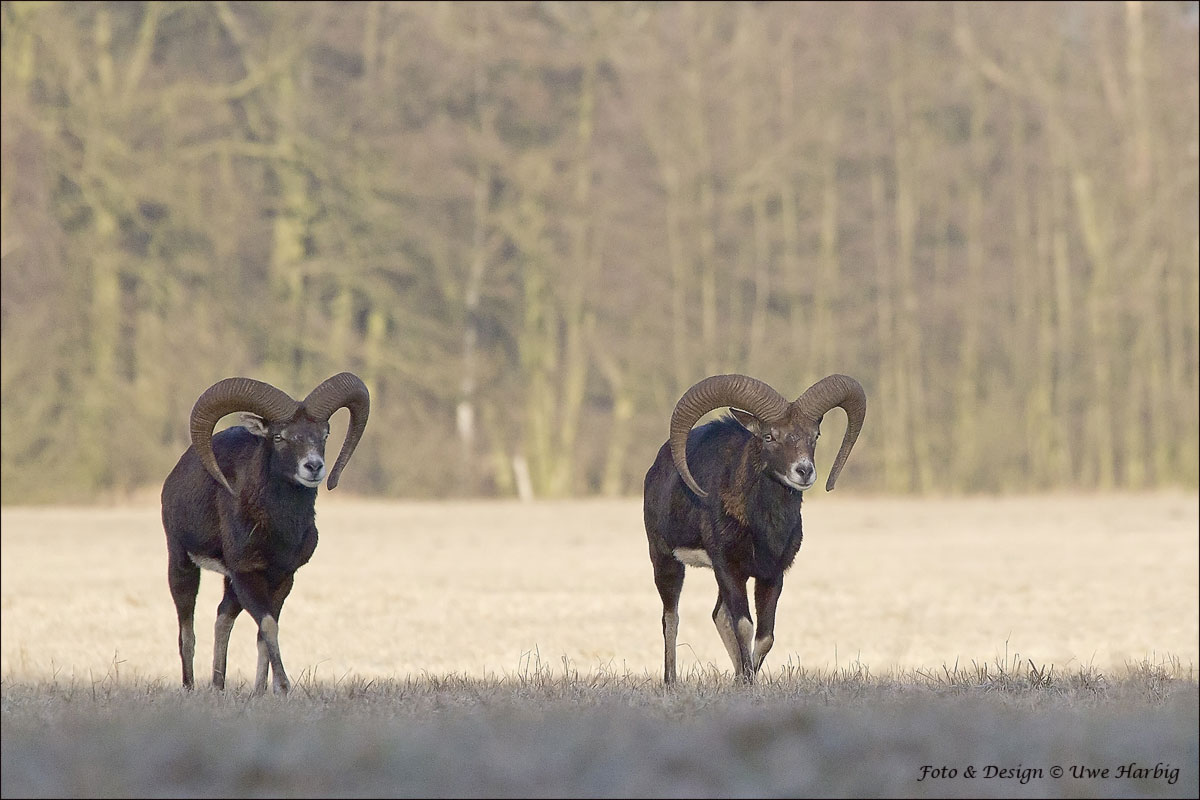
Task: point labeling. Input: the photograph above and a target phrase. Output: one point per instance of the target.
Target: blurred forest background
(530, 226)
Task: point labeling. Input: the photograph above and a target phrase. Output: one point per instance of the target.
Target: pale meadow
(474, 588)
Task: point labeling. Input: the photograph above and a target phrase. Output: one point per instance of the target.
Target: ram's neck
(773, 518)
(285, 508)
(292, 507)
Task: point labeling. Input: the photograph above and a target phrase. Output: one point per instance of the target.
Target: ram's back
(190, 496)
(672, 513)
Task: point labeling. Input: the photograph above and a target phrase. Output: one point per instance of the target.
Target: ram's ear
(255, 424)
(747, 420)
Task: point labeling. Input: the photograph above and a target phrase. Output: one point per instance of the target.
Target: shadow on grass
(553, 730)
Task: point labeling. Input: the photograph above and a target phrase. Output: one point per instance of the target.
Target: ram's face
(788, 448)
(297, 447)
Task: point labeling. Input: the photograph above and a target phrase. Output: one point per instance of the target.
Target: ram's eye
(768, 437)
(278, 437)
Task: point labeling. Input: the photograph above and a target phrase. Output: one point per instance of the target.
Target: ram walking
(739, 513)
(242, 503)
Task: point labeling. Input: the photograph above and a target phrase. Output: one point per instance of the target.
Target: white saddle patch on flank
(692, 556)
(204, 562)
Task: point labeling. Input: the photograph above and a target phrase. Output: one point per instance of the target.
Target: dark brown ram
(242, 503)
(755, 466)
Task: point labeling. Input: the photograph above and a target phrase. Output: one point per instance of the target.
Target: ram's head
(786, 432)
(296, 430)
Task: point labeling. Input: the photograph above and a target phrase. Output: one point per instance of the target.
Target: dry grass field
(499, 649)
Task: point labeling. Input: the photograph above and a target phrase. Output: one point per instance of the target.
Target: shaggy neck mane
(276, 503)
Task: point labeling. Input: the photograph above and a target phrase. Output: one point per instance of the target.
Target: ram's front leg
(732, 618)
(766, 598)
(721, 618)
(256, 596)
(280, 680)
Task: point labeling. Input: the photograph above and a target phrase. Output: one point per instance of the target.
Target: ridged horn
(344, 390)
(836, 391)
(225, 397)
(739, 391)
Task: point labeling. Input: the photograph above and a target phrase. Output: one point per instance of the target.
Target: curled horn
(836, 391)
(739, 391)
(225, 397)
(344, 390)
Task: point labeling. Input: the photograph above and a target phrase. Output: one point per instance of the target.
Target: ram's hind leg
(184, 579)
(227, 613)
(668, 577)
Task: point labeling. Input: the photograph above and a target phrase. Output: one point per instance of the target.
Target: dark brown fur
(261, 534)
(749, 526)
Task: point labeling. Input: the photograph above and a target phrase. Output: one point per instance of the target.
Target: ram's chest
(760, 540)
(274, 547)
(760, 553)
(284, 550)
(776, 555)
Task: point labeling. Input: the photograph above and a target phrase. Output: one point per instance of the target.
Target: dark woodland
(530, 226)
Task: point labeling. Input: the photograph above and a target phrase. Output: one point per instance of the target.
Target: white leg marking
(187, 642)
(268, 648)
(725, 628)
(745, 632)
(221, 633)
(670, 636)
(761, 648)
(187, 651)
(260, 674)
